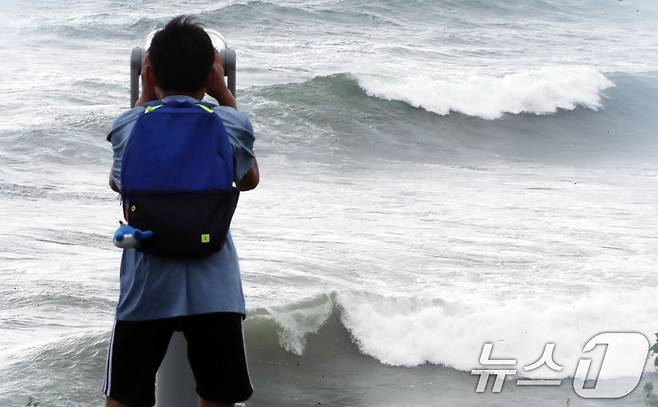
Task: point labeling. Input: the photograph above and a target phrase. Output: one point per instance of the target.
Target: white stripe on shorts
(107, 386)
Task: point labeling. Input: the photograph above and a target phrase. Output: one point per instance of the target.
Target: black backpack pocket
(184, 225)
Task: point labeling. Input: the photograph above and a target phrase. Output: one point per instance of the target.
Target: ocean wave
(542, 90)
(96, 27)
(400, 331)
(370, 336)
(262, 13)
(286, 14)
(333, 115)
(58, 369)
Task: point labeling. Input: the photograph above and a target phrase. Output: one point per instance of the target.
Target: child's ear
(149, 76)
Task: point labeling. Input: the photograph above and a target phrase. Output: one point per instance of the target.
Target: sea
(436, 175)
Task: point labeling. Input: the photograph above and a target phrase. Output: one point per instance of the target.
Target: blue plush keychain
(127, 237)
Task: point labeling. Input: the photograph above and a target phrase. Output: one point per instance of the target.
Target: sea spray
(542, 90)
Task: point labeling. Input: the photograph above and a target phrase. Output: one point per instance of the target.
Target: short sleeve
(118, 136)
(240, 134)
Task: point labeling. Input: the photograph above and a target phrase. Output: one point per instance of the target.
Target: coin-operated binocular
(227, 55)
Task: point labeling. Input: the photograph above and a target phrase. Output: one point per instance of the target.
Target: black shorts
(215, 350)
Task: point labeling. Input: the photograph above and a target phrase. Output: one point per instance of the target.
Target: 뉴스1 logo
(618, 346)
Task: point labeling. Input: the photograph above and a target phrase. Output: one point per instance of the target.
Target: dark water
(436, 175)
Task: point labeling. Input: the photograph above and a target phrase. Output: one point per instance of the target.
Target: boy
(202, 297)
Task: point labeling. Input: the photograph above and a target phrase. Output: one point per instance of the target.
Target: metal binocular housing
(227, 55)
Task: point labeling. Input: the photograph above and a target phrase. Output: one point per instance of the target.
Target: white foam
(299, 321)
(410, 332)
(541, 90)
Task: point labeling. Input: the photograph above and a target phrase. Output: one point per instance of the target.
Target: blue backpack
(177, 179)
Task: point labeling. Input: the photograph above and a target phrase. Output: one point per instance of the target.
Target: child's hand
(215, 85)
(148, 82)
(215, 82)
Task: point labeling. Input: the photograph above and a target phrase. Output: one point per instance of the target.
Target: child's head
(181, 56)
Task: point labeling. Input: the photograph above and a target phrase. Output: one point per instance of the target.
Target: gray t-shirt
(153, 287)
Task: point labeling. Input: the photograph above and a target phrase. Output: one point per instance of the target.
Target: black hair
(181, 55)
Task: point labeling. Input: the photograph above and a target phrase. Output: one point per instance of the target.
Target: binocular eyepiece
(226, 54)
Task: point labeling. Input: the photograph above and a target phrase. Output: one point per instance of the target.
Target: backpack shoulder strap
(177, 147)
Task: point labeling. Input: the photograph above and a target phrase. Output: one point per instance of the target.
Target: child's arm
(216, 87)
(148, 83)
(251, 179)
(113, 185)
